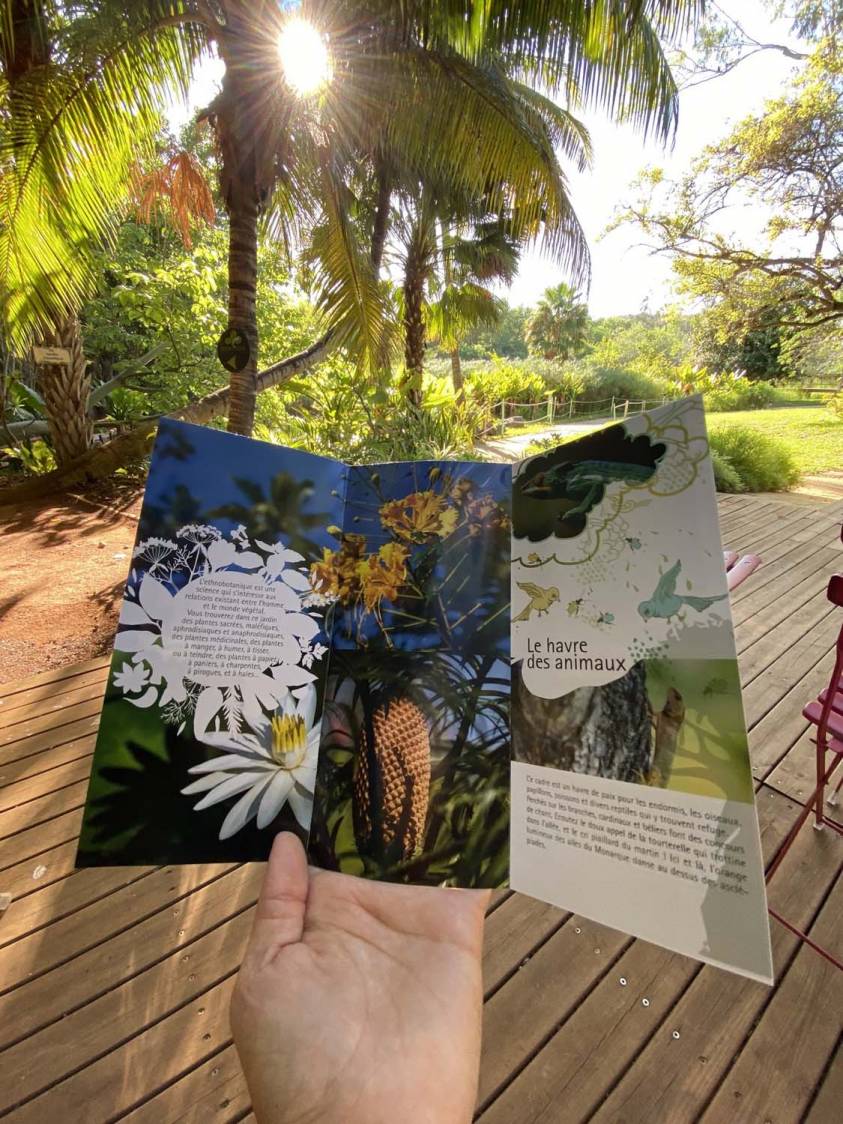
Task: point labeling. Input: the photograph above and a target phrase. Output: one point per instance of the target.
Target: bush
(835, 404)
(743, 395)
(728, 390)
(335, 412)
(515, 381)
(748, 461)
(598, 383)
(726, 476)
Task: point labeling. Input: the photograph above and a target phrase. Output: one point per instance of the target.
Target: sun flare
(304, 57)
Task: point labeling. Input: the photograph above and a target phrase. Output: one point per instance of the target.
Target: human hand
(359, 1002)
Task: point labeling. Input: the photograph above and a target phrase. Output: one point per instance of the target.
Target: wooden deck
(114, 984)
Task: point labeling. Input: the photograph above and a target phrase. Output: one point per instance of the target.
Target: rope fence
(557, 410)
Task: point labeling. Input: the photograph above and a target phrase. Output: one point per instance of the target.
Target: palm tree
(556, 329)
(81, 100)
(471, 258)
(306, 165)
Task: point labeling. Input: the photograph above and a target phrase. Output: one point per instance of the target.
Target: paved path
(513, 445)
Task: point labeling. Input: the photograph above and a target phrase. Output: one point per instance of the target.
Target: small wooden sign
(233, 349)
(55, 355)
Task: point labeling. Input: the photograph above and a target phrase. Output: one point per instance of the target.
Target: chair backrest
(835, 683)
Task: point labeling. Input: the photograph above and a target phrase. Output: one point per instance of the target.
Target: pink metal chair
(825, 713)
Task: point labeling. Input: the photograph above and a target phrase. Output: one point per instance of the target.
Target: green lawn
(812, 434)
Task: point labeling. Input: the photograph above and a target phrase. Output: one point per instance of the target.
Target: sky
(625, 276)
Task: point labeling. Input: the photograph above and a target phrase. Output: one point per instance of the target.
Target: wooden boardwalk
(114, 984)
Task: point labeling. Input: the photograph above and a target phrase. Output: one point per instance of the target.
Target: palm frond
(458, 309)
(74, 127)
(176, 190)
(354, 305)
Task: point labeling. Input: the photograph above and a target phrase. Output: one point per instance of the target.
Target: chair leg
(807, 808)
(833, 798)
(819, 794)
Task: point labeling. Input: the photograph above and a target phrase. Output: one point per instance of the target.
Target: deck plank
(826, 1107)
(786, 1054)
(593, 1047)
(672, 1078)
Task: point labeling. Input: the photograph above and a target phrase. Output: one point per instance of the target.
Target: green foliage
(786, 162)
(656, 345)
(729, 391)
(81, 94)
(726, 476)
(835, 405)
(152, 291)
(757, 353)
(333, 411)
(513, 381)
(743, 395)
(31, 455)
(505, 338)
(747, 460)
(599, 383)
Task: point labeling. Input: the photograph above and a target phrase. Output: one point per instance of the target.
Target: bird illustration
(666, 602)
(540, 599)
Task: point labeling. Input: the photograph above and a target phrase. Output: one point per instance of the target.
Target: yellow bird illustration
(540, 599)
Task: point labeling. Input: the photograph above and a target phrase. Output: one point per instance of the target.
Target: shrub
(334, 412)
(749, 461)
(835, 404)
(743, 395)
(598, 383)
(726, 476)
(728, 390)
(515, 381)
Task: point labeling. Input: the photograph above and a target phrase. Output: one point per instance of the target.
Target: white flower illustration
(163, 669)
(131, 678)
(199, 533)
(154, 550)
(278, 565)
(274, 765)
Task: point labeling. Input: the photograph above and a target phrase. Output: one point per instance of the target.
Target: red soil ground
(63, 562)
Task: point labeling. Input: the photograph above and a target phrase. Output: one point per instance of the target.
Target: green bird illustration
(666, 602)
(540, 599)
(584, 484)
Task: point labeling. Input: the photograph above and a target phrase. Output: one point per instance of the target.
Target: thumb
(279, 917)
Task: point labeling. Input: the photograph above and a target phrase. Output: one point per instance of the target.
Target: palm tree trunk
(414, 334)
(65, 390)
(456, 374)
(247, 172)
(381, 222)
(242, 286)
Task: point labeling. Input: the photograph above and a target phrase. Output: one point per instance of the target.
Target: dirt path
(63, 562)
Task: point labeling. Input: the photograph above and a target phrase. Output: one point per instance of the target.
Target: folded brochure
(443, 673)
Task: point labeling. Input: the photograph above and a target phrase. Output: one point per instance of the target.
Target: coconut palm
(556, 329)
